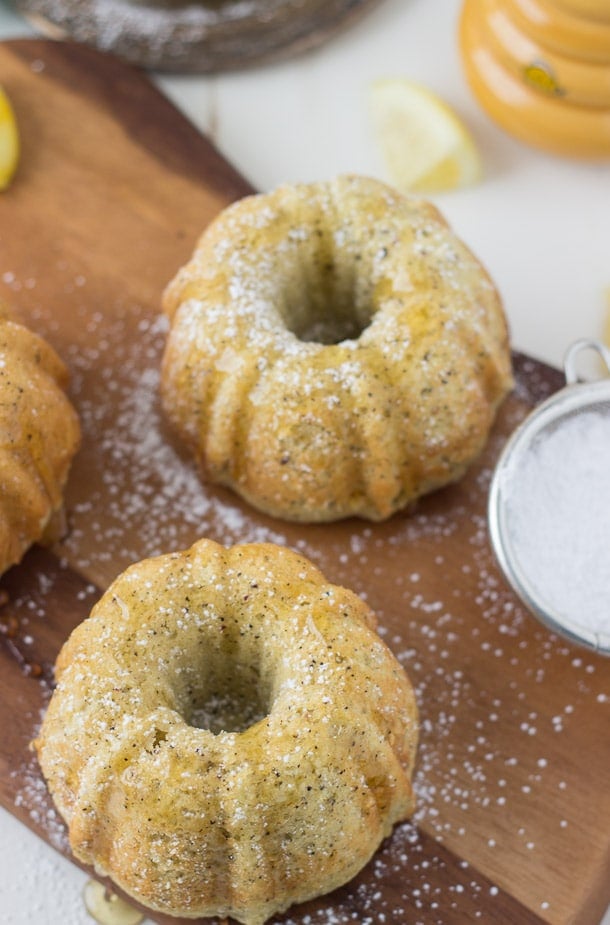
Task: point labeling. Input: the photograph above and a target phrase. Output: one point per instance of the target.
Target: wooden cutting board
(513, 820)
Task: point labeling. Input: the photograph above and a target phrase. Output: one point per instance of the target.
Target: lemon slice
(424, 144)
(9, 141)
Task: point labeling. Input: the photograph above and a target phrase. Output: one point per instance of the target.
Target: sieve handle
(569, 363)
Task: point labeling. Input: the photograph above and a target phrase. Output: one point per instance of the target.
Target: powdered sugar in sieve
(549, 508)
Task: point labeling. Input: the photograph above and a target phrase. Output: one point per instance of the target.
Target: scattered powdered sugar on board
(408, 880)
(34, 798)
(502, 701)
(473, 676)
(145, 496)
(484, 764)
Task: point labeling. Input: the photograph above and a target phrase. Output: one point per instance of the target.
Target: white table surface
(540, 224)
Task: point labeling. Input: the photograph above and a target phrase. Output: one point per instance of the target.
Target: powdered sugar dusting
(505, 706)
(557, 498)
(117, 24)
(33, 797)
(146, 498)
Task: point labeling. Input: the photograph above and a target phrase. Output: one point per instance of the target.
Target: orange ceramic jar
(541, 69)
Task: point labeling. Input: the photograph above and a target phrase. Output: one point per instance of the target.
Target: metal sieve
(550, 425)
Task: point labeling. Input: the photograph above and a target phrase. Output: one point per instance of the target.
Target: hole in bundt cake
(230, 695)
(228, 711)
(219, 679)
(330, 329)
(327, 295)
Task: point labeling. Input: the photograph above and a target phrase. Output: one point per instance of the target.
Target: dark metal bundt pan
(196, 37)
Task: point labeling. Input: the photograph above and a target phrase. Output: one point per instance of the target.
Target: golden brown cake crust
(193, 822)
(39, 435)
(335, 350)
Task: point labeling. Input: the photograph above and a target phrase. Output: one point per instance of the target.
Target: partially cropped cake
(229, 735)
(39, 434)
(334, 350)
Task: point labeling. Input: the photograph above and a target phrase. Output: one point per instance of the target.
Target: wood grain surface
(174, 35)
(513, 817)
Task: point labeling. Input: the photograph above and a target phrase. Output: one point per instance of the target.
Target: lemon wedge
(424, 144)
(9, 141)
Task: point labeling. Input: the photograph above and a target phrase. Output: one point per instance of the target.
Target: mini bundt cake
(335, 350)
(228, 735)
(39, 435)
